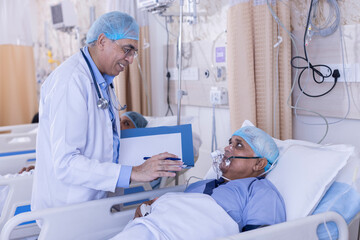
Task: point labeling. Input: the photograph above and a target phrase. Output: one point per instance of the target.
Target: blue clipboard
(162, 138)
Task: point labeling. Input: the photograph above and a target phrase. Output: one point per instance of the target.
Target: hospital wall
(344, 132)
(201, 39)
(337, 104)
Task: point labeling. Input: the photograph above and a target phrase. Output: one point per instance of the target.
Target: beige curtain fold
(133, 86)
(254, 92)
(18, 96)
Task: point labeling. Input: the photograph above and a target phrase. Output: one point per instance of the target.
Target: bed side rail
(89, 220)
(299, 229)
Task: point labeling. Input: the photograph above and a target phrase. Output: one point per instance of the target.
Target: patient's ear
(260, 164)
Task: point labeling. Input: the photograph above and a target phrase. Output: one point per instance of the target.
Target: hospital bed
(14, 163)
(86, 220)
(17, 147)
(17, 138)
(94, 220)
(15, 197)
(22, 128)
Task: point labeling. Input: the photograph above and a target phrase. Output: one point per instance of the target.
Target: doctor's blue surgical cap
(137, 119)
(115, 25)
(260, 142)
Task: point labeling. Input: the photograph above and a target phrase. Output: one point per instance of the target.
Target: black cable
(315, 72)
(167, 71)
(335, 75)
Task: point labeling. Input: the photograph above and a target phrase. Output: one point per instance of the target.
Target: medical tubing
(331, 205)
(276, 78)
(167, 71)
(213, 135)
(295, 107)
(323, 30)
(187, 182)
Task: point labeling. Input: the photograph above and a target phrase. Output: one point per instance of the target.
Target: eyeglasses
(129, 51)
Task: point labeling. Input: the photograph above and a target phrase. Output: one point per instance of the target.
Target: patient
(246, 196)
(130, 120)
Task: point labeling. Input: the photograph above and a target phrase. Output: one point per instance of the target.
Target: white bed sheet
(177, 216)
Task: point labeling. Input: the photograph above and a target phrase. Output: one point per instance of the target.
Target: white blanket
(182, 216)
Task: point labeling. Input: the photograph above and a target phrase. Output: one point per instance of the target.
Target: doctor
(78, 136)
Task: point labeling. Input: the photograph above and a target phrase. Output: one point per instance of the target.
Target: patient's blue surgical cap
(137, 119)
(260, 142)
(115, 25)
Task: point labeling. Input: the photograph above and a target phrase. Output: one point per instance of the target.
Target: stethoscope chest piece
(102, 103)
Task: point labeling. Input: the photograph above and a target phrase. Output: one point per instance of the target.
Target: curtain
(132, 86)
(18, 94)
(259, 74)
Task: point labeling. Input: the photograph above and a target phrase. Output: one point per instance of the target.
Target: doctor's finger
(169, 168)
(165, 155)
(172, 162)
(166, 174)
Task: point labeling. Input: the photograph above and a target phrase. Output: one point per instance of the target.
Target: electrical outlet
(351, 72)
(218, 96)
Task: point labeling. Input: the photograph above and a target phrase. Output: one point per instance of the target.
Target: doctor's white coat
(74, 152)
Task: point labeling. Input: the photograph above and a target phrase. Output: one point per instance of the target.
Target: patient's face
(126, 123)
(238, 168)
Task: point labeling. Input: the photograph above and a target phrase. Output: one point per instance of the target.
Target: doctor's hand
(156, 166)
(138, 209)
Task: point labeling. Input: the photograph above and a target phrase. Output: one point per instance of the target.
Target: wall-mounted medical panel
(204, 67)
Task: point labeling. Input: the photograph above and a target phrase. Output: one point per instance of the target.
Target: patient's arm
(138, 211)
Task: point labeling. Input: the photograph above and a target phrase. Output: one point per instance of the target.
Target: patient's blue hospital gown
(251, 202)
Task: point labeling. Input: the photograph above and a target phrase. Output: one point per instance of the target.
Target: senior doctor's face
(112, 57)
(238, 167)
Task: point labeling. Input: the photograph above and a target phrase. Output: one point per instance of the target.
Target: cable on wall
(293, 40)
(311, 30)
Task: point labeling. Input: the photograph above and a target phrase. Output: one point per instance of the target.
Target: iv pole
(180, 93)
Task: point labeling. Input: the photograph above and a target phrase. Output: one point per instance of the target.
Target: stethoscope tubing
(102, 102)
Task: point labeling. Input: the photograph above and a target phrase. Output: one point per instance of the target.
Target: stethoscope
(102, 103)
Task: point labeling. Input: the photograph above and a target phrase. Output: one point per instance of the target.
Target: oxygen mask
(217, 158)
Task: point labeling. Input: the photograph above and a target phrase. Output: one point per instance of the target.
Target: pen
(146, 158)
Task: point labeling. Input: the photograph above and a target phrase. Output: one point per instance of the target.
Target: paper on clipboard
(135, 144)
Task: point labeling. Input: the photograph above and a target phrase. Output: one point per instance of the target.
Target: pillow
(172, 121)
(167, 121)
(342, 197)
(304, 172)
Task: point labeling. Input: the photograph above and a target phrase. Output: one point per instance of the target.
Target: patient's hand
(138, 211)
(27, 169)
